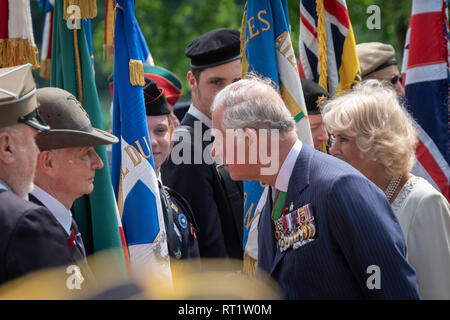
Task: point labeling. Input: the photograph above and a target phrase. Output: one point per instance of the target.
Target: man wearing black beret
(315, 97)
(216, 200)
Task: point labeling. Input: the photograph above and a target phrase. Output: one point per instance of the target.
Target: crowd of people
(346, 218)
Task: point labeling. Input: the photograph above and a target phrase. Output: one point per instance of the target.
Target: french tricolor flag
(425, 71)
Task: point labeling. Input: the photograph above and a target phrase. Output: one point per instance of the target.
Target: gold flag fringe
(88, 8)
(136, 72)
(322, 37)
(18, 51)
(45, 68)
(249, 266)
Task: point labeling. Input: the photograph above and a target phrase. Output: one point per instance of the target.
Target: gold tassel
(87, 8)
(249, 266)
(34, 56)
(3, 46)
(45, 68)
(17, 51)
(136, 72)
(322, 37)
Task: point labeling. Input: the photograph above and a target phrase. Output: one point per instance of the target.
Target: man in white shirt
(67, 162)
(215, 199)
(325, 227)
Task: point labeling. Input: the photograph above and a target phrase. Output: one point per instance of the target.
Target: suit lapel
(35, 200)
(298, 182)
(81, 253)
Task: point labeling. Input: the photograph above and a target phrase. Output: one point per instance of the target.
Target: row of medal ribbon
(295, 228)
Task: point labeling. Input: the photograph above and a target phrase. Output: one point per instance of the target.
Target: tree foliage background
(169, 25)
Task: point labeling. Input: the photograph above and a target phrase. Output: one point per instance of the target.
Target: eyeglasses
(396, 78)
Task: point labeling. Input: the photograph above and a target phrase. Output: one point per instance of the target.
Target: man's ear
(6, 154)
(46, 162)
(191, 80)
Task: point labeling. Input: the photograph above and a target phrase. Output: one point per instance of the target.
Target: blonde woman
(375, 134)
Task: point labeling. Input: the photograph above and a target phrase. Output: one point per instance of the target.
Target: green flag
(96, 214)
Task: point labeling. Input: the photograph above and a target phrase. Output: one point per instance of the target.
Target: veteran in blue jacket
(325, 232)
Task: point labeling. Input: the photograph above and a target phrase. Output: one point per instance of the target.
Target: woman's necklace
(392, 187)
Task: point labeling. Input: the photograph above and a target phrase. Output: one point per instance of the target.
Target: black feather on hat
(155, 101)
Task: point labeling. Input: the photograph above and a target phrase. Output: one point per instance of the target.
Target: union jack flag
(327, 49)
(425, 70)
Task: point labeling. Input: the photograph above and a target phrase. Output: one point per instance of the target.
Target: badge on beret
(295, 228)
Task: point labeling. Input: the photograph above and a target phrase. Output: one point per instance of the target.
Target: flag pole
(76, 54)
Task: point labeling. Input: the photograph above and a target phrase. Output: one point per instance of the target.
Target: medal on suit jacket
(278, 206)
(295, 228)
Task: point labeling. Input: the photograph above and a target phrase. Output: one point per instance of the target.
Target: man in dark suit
(67, 162)
(216, 200)
(326, 232)
(30, 237)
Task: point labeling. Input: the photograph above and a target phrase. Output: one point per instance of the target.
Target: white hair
(253, 103)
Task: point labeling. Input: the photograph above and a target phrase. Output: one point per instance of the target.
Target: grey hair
(15, 129)
(253, 103)
(384, 131)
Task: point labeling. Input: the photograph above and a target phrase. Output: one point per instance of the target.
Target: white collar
(193, 111)
(61, 213)
(4, 186)
(285, 173)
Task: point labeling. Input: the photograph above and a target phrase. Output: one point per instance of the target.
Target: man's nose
(399, 89)
(323, 134)
(97, 161)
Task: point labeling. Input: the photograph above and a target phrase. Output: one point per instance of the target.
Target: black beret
(155, 100)
(214, 48)
(312, 92)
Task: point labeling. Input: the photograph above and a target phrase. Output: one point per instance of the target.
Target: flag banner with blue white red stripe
(46, 45)
(133, 171)
(327, 48)
(267, 52)
(425, 70)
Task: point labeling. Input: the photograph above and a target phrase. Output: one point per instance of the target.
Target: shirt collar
(193, 111)
(4, 186)
(285, 173)
(61, 213)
